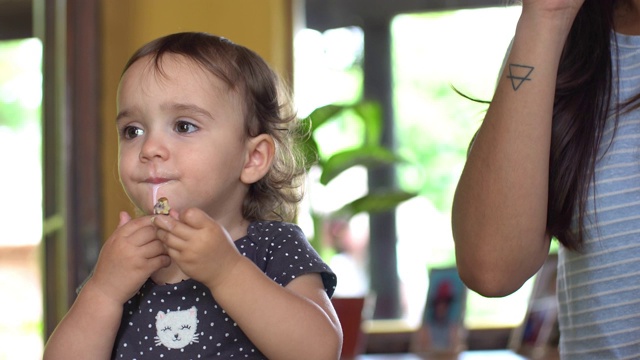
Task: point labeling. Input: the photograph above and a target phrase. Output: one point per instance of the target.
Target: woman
(557, 157)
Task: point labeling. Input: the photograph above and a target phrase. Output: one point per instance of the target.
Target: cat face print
(177, 329)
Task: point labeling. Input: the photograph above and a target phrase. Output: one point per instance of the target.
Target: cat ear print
(160, 315)
(193, 310)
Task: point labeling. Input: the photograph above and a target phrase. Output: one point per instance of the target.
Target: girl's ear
(260, 152)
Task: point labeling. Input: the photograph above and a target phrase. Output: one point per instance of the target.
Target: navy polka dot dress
(184, 321)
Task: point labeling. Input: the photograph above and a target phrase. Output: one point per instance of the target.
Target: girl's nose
(154, 147)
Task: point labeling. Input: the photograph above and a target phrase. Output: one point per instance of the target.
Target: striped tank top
(599, 288)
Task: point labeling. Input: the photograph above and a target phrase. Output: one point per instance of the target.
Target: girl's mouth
(156, 180)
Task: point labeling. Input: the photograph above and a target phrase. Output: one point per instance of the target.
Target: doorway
(21, 327)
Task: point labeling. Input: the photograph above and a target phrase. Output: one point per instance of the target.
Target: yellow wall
(264, 26)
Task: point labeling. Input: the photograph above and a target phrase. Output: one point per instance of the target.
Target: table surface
(465, 355)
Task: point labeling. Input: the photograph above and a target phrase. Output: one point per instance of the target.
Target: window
(462, 49)
(434, 127)
(21, 194)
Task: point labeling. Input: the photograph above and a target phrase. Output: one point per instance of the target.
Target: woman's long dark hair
(581, 106)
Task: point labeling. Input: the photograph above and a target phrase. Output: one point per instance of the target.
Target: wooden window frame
(71, 160)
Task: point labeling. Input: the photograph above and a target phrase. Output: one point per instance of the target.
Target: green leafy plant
(369, 153)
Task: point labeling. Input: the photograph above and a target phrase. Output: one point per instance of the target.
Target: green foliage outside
(20, 156)
(462, 49)
(364, 125)
(19, 105)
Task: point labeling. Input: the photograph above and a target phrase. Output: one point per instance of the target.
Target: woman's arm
(500, 206)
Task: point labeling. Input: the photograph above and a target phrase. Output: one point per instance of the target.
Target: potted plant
(370, 153)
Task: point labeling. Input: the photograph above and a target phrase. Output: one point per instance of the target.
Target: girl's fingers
(153, 249)
(160, 261)
(129, 226)
(124, 218)
(170, 240)
(143, 235)
(195, 218)
(173, 226)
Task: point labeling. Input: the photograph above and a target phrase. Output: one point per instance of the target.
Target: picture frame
(442, 327)
(538, 332)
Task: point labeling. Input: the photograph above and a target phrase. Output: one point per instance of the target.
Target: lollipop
(162, 207)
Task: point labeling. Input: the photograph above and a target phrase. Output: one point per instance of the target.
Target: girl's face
(181, 136)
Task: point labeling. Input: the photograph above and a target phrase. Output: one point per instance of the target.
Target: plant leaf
(368, 156)
(323, 114)
(371, 114)
(381, 200)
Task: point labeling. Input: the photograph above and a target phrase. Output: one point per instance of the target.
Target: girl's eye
(185, 127)
(131, 132)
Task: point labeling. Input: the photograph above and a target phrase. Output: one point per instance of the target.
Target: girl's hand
(128, 258)
(200, 246)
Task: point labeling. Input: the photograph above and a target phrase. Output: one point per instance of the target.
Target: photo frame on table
(442, 328)
(539, 329)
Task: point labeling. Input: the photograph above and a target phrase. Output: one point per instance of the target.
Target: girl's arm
(88, 330)
(126, 261)
(294, 322)
(500, 206)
